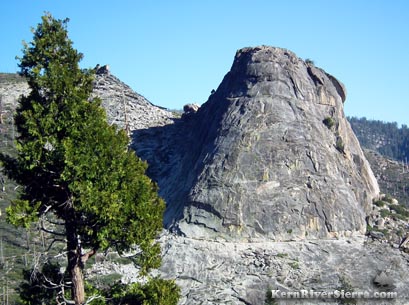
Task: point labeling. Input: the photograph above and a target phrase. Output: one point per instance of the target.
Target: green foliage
(295, 265)
(369, 228)
(380, 203)
(329, 122)
(388, 198)
(400, 210)
(155, 292)
(36, 288)
(72, 164)
(384, 137)
(340, 144)
(346, 286)
(70, 159)
(310, 62)
(22, 213)
(384, 213)
(393, 177)
(269, 300)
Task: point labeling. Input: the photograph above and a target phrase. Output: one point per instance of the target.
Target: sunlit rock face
(269, 155)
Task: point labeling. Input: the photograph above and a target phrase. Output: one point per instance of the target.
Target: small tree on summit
(75, 169)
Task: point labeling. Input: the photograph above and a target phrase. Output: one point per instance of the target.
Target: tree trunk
(75, 265)
(77, 278)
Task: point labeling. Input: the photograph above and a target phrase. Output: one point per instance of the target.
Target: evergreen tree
(75, 169)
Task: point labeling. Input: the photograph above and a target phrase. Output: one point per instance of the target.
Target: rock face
(269, 155)
(241, 273)
(266, 186)
(11, 88)
(124, 107)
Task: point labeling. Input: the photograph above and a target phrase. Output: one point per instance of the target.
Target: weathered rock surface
(11, 88)
(241, 273)
(124, 107)
(257, 161)
(392, 176)
(266, 186)
(214, 272)
(261, 193)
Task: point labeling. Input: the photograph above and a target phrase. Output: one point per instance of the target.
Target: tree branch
(87, 255)
(43, 228)
(94, 297)
(63, 297)
(54, 241)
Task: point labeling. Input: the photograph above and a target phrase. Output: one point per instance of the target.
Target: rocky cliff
(124, 107)
(266, 187)
(269, 155)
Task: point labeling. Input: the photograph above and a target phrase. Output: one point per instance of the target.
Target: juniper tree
(74, 167)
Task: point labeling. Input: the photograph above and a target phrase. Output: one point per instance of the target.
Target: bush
(340, 145)
(269, 298)
(156, 291)
(35, 288)
(388, 198)
(310, 62)
(329, 122)
(380, 203)
(384, 213)
(400, 210)
(346, 286)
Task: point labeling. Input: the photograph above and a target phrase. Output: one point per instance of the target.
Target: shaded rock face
(257, 160)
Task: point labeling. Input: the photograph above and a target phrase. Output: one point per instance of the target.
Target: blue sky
(176, 52)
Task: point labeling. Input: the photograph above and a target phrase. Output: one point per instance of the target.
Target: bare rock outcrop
(12, 87)
(266, 186)
(269, 155)
(124, 107)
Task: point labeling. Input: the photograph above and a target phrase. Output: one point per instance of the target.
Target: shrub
(340, 145)
(329, 122)
(269, 298)
(294, 265)
(346, 286)
(400, 210)
(310, 62)
(388, 198)
(384, 213)
(156, 291)
(380, 203)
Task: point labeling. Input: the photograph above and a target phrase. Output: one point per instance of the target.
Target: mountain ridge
(269, 125)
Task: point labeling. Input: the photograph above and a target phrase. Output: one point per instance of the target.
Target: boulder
(191, 108)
